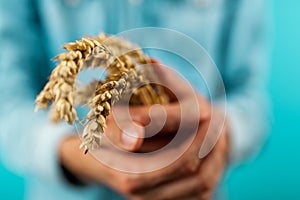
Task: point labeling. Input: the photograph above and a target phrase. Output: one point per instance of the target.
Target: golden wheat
(120, 58)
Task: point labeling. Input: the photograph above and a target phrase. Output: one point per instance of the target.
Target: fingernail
(128, 141)
(129, 137)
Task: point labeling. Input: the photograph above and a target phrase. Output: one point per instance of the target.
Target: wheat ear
(120, 58)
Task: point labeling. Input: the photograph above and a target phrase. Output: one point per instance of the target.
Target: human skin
(189, 177)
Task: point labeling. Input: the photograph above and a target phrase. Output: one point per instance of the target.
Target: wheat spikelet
(120, 58)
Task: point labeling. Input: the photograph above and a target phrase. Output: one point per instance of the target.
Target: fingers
(155, 143)
(182, 188)
(186, 114)
(157, 118)
(196, 181)
(174, 190)
(179, 179)
(211, 170)
(172, 80)
(184, 167)
(198, 185)
(127, 135)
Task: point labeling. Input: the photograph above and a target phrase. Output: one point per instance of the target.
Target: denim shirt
(234, 33)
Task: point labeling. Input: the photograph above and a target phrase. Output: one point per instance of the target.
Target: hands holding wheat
(189, 177)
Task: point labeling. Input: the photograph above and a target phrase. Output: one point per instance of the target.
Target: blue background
(274, 174)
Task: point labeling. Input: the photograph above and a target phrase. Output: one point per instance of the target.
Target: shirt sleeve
(28, 141)
(245, 77)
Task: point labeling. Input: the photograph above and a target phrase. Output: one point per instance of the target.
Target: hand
(189, 177)
(90, 170)
(186, 178)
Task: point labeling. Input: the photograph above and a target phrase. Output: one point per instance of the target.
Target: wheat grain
(120, 58)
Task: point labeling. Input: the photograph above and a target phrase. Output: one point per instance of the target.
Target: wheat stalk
(120, 58)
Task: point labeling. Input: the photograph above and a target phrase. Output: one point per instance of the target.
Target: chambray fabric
(32, 32)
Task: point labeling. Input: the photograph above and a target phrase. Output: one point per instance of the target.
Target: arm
(28, 140)
(30, 145)
(245, 79)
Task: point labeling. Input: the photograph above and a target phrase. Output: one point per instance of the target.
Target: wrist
(76, 166)
(66, 153)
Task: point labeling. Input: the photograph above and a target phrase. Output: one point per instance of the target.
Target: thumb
(172, 80)
(126, 135)
(157, 118)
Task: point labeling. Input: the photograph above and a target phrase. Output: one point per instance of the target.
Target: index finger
(166, 119)
(172, 80)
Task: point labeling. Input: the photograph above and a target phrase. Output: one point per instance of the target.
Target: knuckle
(194, 165)
(140, 115)
(207, 185)
(125, 189)
(128, 184)
(144, 119)
(195, 188)
(191, 166)
(204, 105)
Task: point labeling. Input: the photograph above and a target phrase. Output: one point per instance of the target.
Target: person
(234, 32)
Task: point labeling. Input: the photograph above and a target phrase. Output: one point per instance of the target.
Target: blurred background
(274, 174)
